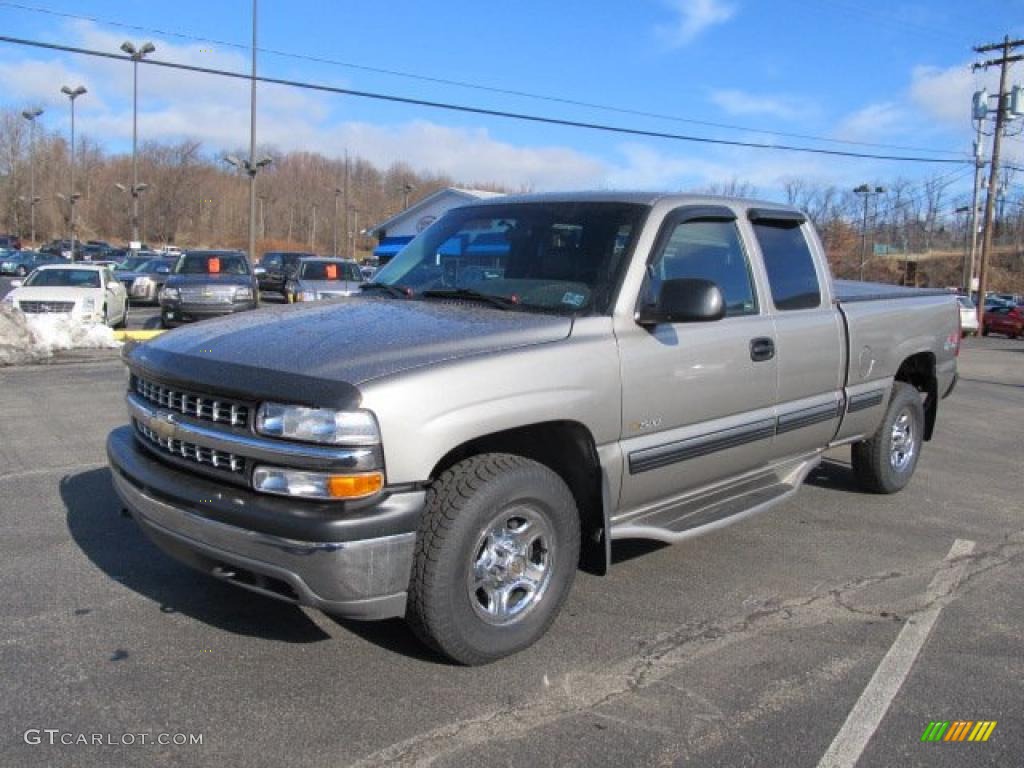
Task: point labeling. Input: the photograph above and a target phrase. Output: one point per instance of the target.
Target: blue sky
(893, 73)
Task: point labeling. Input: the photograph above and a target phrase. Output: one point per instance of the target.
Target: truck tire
(885, 462)
(496, 553)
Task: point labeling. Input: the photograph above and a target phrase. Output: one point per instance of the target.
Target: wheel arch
(568, 449)
(919, 370)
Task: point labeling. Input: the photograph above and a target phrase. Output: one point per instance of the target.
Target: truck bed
(847, 291)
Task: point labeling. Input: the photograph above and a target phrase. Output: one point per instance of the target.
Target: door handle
(762, 349)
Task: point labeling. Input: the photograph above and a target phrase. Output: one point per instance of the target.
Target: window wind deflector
(703, 213)
(776, 216)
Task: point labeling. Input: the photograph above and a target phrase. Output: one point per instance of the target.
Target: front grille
(47, 307)
(201, 407)
(190, 451)
(218, 294)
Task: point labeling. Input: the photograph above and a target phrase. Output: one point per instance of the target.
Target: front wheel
(496, 554)
(885, 462)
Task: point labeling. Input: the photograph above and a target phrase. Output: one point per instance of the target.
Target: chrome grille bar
(198, 406)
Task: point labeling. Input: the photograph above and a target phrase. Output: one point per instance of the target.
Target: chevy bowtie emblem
(163, 424)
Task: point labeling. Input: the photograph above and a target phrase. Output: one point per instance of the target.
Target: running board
(708, 511)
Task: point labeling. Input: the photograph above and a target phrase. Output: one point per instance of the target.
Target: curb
(137, 335)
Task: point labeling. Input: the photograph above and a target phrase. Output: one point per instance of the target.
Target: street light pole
(31, 115)
(867, 192)
(337, 196)
(72, 94)
(312, 233)
(252, 143)
(136, 55)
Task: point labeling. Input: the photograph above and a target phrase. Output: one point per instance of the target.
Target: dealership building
(396, 232)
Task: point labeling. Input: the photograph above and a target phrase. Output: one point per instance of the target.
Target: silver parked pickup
(530, 379)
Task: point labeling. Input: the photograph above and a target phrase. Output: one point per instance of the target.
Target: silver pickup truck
(529, 380)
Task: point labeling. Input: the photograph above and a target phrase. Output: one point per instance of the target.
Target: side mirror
(16, 283)
(684, 300)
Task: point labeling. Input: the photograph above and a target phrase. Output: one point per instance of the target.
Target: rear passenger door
(809, 337)
(698, 398)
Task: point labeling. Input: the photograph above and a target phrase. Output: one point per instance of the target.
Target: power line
(474, 86)
(483, 111)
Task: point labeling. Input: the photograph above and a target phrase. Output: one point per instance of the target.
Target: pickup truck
(454, 443)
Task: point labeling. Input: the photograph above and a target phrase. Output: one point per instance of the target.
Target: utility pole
(32, 115)
(337, 196)
(312, 232)
(345, 203)
(1004, 62)
(979, 164)
(867, 192)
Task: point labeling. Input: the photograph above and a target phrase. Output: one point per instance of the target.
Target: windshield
(330, 270)
(560, 257)
(73, 278)
(212, 264)
(131, 263)
(152, 265)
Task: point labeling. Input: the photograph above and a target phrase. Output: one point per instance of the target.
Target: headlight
(317, 425)
(170, 294)
(316, 485)
(306, 296)
(243, 294)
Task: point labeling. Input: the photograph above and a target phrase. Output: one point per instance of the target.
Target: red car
(1008, 321)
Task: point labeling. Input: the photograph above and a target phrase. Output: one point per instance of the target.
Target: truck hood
(318, 353)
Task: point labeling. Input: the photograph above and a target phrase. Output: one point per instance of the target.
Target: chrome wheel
(902, 444)
(512, 564)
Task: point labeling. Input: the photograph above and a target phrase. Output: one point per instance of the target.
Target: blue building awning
(389, 247)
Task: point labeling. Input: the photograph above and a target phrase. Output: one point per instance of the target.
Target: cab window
(707, 250)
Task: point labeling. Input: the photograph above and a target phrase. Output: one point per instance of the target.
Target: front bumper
(353, 563)
(175, 313)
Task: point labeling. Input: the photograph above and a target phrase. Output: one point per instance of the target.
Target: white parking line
(867, 713)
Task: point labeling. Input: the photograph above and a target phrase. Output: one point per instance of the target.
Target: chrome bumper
(364, 579)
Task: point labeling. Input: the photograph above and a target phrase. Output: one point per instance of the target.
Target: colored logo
(958, 730)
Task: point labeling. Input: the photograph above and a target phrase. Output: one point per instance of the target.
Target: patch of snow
(31, 338)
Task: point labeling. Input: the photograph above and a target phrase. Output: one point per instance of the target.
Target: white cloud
(736, 102)
(873, 122)
(694, 16)
(945, 94)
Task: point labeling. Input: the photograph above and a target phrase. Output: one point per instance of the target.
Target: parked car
(146, 281)
(83, 292)
(322, 278)
(1005, 319)
(133, 260)
(451, 451)
(61, 248)
(94, 252)
(968, 316)
(277, 267)
(20, 263)
(207, 284)
(10, 243)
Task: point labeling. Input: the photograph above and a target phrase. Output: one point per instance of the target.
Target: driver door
(698, 398)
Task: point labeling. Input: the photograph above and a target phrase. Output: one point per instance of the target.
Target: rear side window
(790, 266)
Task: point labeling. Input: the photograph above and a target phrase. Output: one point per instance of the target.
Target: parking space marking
(874, 702)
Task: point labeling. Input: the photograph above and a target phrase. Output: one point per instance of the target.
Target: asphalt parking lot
(751, 646)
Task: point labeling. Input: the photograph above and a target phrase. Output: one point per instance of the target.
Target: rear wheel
(886, 461)
(123, 322)
(496, 555)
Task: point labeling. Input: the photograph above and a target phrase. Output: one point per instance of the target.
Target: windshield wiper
(468, 293)
(397, 291)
